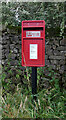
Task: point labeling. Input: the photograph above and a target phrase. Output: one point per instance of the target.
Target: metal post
(34, 81)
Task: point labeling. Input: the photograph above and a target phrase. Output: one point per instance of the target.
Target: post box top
(33, 23)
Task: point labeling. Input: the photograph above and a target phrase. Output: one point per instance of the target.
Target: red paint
(33, 32)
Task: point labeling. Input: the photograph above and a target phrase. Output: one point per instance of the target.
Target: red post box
(33, 43)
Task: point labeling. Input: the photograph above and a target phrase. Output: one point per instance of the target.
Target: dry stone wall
(55, 50)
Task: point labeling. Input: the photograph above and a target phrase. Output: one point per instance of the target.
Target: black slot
(33, 38)
(39, 28)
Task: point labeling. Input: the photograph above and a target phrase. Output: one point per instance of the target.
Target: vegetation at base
(49, 104)
(17, 95)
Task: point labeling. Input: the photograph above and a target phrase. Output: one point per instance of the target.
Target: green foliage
(52, 13)
(17, 95)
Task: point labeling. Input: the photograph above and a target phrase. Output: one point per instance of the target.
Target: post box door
(32, 52)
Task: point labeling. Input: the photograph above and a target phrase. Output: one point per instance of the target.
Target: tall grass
(48, 104)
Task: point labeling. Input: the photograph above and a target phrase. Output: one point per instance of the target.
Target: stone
(18, 55)
(61, 48)
(56, 42)
(4, 46)
(61, 62)
(51, 43)
(56, 57)
(49, 52)
(0, 38)
(63, 42)
(16, 38)
(7, 55)
(54, 62)
(54, 47)
(3, 56)
(61, 70)
(7, 30)
(58, 67)
(48, 47)
(0, 54)
(56, 52)
(15, 50)
(12, 46)
(4, 41)
(2, 62)
(17, 46)
(0, 46)
(6, 33)
(47, 62)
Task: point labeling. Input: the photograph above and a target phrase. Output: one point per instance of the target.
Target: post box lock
(33, 43)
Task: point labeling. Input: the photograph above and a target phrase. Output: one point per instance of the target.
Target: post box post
(34, 82)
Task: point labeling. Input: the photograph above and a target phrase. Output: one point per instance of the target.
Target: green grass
(48, 104)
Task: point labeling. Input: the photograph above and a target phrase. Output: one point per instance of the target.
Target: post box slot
(39, 28)
(33, 38)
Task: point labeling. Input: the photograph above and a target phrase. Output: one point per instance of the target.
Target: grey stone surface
(12, 46)
(61, 48)
(54, 62)
(0, 55)
(3, 62)
(54, 47)
(49, 52)
(56, 52)
(0, 46)
(15, 50)
(63, 41)
(56, 42)
(61, 69)
(47, 62)
(56, 57)
(5, 46)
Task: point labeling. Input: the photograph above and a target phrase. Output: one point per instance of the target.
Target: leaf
(49, 74)
(17, 76)
(50, 108)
